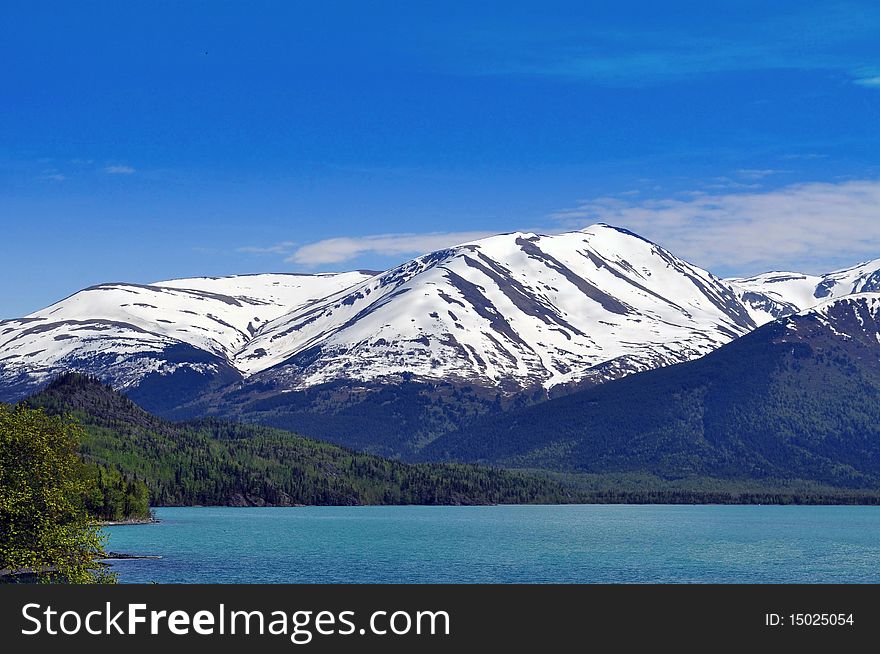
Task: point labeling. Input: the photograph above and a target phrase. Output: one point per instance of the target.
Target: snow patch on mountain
(852, 317)
(778, 294)
(516, 310)
(510, 312)
(121, 330)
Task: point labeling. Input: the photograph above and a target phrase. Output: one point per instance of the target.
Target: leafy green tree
(44, 523)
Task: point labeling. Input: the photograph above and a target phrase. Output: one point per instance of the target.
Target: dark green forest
(213, 462)
(136, 457)
(392, 420)
(771, 407)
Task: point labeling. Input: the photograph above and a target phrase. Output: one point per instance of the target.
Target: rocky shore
(128, 521)
(119, 556)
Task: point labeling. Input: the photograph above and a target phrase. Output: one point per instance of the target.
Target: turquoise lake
(504, 544)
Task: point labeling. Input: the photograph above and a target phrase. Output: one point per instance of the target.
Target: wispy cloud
(285, 247)
(869, 81)
(724, 183)
(759, 173)
(840, 38)
(803, 156)
(119, 170)
(53, 176)
(668, 63)
(811, 227)
(339, 250)
(800, 226)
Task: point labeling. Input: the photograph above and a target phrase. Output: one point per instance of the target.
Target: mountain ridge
(126, 333)
(797, 397)
(514, 311)
(388, 362)
(777, 294)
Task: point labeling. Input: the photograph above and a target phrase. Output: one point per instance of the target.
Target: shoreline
(120, 556)
(825, 503)
(128, 521)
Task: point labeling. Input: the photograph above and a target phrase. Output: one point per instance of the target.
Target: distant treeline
(213, 462)
(136, 459)
(664, 496)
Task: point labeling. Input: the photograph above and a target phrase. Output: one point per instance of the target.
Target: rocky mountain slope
(777, 294)
(180, 334)
(512, 312)
(797, 398)
(388, 362)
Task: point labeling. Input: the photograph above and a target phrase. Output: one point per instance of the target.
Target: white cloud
(338, 250)
(805, 156)
(801, 226)
(811, 227)
(285, 247)
(869, 81)
(119, 170)
(726, 183)
(759, 173)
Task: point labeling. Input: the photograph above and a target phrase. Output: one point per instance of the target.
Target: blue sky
(142, 141)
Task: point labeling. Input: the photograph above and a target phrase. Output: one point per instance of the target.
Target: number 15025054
(809, 620)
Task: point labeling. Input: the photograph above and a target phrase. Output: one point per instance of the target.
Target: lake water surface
(504, 544)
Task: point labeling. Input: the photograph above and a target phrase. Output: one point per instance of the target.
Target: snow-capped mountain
(795, 398)
(512, 311)
(854, 318)
(516, 310)
(126, 332)
(776, 294)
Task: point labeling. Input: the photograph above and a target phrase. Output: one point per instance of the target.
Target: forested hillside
(796, 399)
(212, 462)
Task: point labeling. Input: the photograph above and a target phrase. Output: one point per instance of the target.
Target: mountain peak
(509, 312)
(775, 295)
(518, 310)
(605, 228)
